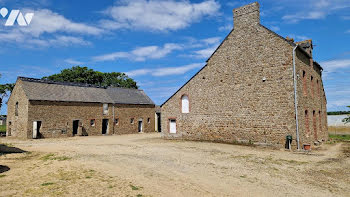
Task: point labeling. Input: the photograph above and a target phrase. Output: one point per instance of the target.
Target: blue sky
(162, 44)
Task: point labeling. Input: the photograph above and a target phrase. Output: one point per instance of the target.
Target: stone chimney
(248, 15)
(306, 45)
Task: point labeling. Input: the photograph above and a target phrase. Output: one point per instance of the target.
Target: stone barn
(44, 109)
(257, 87)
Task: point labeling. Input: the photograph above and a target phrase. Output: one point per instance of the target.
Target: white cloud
(141, 53)
(335, 65)
(301, 16)
(348, 31)
(46, 21)
(316, 9)
(158, 72)
(208, 45)
(157, 15)
(274, 28)
(227, 27)
(48, 28)
(73, 62)
(205, 53)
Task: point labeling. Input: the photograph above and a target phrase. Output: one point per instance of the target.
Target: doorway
(75, 127)
(104, 126)
(172, 126)
(159, 123)
(140, 126)
(36, 129)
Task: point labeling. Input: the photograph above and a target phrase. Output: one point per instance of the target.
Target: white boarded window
(105, 109)
(172, 126)
(185, 104)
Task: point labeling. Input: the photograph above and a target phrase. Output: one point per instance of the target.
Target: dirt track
(147, 165)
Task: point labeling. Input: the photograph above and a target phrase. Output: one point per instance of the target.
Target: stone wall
(16, 124)
(57, 118)
(245, 92)
(311, 98)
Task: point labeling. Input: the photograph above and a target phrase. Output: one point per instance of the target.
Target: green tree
(347, 120)
(5, 89)
(89, 76)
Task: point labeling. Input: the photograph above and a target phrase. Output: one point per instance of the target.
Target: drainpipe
(296, 99)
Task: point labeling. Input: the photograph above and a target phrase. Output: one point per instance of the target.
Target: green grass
(2, 175)
(51, 156)
(47, 184)
(2, 128)
(342, 137)
(135, 187)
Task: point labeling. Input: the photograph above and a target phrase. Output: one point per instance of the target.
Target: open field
(339, 130)
(146, 165)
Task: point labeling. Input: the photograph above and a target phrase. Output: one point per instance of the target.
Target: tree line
(78, 74)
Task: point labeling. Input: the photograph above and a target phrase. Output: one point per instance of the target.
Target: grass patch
(2, 175)
(139, 195)
(52, 156)
(342, 137)
(243, 176)
(47, 184)
(135, 187)
(2, 128)
(8, 144)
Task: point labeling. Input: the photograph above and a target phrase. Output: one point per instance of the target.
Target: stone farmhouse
(44, 109)
(257, 87)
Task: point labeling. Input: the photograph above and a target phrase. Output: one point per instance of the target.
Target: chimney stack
(248, 15)
(306, 45)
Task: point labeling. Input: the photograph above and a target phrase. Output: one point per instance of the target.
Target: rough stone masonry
(245, 92)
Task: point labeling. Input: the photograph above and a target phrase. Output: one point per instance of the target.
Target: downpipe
(296, 99)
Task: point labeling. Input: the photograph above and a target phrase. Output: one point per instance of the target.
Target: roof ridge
(28, 79)
(86, 85)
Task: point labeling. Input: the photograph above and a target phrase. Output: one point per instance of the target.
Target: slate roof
(45, 90)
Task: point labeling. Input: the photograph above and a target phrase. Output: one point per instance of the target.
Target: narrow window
(105, 109)
(320, 120)
(318, 88)
(132, 121)
(116, 121)
(304, 83)
(185, 104)
(92, 122)
(312, 86)
(307, 123)
(314, 124)
(172, 126)
(149, 120)
(16, 109)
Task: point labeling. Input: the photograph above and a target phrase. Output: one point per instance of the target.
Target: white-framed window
(105, 109)
(185, 104)
(172, 126)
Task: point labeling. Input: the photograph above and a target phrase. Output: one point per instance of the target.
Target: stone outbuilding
(44, 109)
(257, 87)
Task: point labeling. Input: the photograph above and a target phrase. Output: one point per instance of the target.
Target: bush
(2, 128)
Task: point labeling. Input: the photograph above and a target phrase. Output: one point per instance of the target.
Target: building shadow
(4, 169)
(4, 150)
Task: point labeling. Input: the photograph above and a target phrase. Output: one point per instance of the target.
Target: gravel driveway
(147, 165)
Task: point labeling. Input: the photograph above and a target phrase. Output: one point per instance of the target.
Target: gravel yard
(147, 165)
